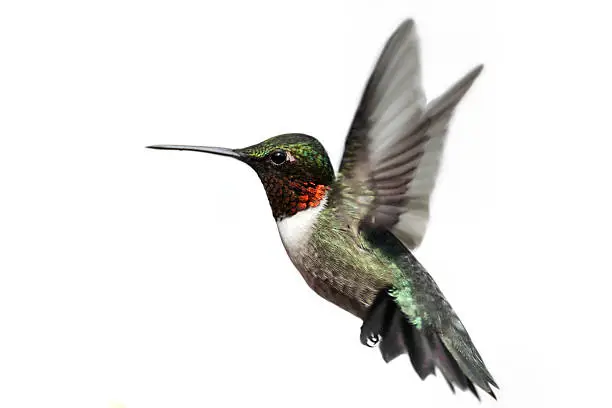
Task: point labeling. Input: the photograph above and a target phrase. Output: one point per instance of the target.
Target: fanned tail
(450, 350)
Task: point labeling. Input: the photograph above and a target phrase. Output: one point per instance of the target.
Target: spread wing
(395, 144)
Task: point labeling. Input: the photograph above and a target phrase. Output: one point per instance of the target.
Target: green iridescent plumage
(306, 149)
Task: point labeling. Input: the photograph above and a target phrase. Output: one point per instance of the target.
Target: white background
(140, 278)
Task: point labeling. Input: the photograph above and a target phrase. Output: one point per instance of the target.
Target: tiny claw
(372, 340)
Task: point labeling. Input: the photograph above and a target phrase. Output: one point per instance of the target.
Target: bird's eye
(278, 157)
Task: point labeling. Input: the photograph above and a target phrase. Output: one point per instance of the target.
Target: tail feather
(453, 354)
(449, 367)
(419, 349)
(470, 362)
(392, 345)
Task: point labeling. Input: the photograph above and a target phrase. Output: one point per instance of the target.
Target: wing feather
(394, 148)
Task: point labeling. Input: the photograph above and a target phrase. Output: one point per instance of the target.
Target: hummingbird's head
(293, 168)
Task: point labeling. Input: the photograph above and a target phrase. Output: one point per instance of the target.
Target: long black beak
(214, 150)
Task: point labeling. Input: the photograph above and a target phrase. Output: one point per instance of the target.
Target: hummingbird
(352, 235)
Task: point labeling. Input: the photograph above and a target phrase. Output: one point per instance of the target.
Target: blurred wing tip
(407, 24)
(405, 29)
(471, 76)
(474, 73)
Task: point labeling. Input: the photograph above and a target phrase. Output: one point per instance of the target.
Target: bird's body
(342, 267)
(350, 236)
(346, 268)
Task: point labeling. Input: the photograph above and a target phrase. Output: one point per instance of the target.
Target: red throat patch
(307, 195)
(288, 197)
(312, 197)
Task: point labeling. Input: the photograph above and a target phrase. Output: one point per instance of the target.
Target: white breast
(296, 229)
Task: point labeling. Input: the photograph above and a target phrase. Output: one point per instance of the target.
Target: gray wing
(394, 148)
